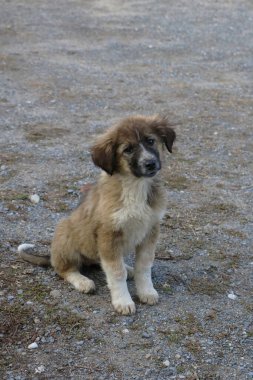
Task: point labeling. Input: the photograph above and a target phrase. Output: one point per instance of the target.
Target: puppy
(119, 214)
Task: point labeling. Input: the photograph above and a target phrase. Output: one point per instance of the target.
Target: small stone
(232, 296)
(80, 342)
(166, 363)
(55, 293)
(148, 356)
(34, 198)
(177, 356)
(33, 346)
(40, 369)
(125, 331)
(20, 291)
(122, 346)
(145, 335)
(36, 320)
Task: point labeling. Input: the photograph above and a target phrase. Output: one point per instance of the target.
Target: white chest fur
(135, 217)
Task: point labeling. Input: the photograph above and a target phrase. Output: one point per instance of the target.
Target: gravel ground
(69, 69)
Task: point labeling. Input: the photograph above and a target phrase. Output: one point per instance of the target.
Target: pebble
(80, 342)
(122, 346)
(34, 198)
(33, 345)
(232, 296)
(177, 356)
(55, 293)
(166, 363)
(125, 331)
(145, 335)
(40, 369)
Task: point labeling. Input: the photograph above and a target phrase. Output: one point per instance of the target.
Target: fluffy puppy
(119, 214)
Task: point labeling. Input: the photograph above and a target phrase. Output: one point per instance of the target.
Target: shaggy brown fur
(119, 214)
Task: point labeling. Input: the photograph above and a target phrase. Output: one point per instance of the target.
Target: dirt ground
(71, 68)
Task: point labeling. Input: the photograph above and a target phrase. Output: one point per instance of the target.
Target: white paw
(80, 282)
(151, 297)
(85, 285)
(124, 308)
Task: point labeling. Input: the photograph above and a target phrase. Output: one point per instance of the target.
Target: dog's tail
(26, 253)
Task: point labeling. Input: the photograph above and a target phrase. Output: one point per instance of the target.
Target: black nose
(150, 165)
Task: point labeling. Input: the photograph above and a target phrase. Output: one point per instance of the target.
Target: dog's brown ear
(162, 128)
(103, 154)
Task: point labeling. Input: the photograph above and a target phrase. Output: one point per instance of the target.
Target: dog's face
(134, 146)
(140, 155)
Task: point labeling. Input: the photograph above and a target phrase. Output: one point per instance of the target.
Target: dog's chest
(135, 217)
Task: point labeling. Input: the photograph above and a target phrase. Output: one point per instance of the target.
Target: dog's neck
(135, 190)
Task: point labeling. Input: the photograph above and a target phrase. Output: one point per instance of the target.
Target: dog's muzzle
(150, 167)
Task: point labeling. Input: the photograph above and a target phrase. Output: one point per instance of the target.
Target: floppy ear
(162, 128)
(103, 154)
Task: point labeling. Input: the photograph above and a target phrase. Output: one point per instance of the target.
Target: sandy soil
(68, 70)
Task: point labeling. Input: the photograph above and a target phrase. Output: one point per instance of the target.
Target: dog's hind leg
(66, 261)
(80, 282)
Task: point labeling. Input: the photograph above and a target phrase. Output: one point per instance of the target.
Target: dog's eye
(129, 149)
(150, 141)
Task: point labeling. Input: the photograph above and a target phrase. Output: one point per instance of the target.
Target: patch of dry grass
(218, 208)
(42, 131)
(207, 286)
(14, 318)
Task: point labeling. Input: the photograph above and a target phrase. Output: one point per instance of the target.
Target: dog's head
(134, 146)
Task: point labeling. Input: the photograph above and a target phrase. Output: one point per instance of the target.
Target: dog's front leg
(145, 254)
(116, 274)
